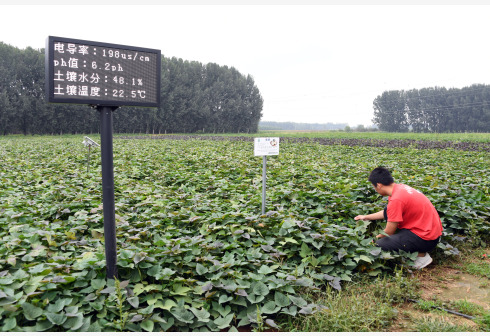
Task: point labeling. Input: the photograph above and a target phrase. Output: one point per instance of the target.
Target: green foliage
(194, 253)
(434, 110)
(484, 322)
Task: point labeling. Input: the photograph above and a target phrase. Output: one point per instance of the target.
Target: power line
(448, 93)
(446, 108)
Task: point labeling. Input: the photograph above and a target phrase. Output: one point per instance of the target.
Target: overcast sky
(311, 63)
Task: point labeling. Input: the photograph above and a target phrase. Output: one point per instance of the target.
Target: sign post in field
(104, 76)
(264, 147)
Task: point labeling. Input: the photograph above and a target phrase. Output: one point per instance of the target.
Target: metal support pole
(108, 189)
(88, 158)
(264, 175)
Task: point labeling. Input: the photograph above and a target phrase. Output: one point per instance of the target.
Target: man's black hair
(381, 175)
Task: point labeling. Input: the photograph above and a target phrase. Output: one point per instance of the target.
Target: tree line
(434, 110)
(293, 126)
(195, 97)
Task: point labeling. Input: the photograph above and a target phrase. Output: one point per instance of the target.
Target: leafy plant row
(194, 252)
(335, 141)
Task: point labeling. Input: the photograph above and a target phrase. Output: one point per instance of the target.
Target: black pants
(406, 240)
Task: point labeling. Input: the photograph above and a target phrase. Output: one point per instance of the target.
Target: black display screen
(95, 73)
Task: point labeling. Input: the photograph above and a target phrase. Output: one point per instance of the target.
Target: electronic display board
(95, 73)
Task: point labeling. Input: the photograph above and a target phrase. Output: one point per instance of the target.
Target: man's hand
(381, 236)
(371, 217)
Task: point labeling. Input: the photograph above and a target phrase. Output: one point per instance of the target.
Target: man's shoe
(422, 262)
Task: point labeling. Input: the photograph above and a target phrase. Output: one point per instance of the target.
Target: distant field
(479, 137)
(454, 137)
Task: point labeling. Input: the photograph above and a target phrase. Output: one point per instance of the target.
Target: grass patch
(474, 261)
(484, 322)
(467, 308)
(366, 306)
(427, 305)
(478, 268)
(438, 324)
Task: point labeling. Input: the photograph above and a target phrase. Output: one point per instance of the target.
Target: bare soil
(442, 283)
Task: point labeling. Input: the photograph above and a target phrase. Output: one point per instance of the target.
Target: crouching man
(413, 224)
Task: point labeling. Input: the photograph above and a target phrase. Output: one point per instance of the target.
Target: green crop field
(194, 251)
(454, 137)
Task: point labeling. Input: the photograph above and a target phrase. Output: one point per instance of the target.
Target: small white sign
(266, 146)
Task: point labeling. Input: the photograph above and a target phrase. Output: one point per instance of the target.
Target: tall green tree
(390, 113)
(434, 110)
(194, 98)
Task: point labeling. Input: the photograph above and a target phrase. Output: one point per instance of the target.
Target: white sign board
(266, 146)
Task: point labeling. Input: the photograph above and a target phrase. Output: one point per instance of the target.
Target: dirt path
(444, 284)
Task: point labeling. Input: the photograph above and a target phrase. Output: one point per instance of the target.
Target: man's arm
(374, 216)
(389, 229)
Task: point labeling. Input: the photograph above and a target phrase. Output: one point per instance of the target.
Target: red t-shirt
(414, 211)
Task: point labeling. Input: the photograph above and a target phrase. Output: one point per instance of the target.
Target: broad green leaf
(58, 305)
(39, 268)
(201, 269)
(134, 301)
(178, 289)
(222, 310)
(223, 322)
(31, 312)
(293, 310)
(306, 310)
(98, 283)
(298, 301)
(281, 299)
(71, 311)
(152, 271)
(108, 290)
(224, 298)
(136, 318)
(138, 257)
(146, 311)
(271, 323)
(6, 281)
(167, 305)
(43, 325)
(375, 272)
(255, 298)
(152, 299)
(342, 253)
(365, 258)
(305, 251)
(264, 269)
(148, 325)
(9, 324)
(183, 315)
(270, 308)
(55, 318)
(244, 322)
(170, 322)
(202, 314)
(260, 288)
(94, 327)
(19, 275)
(290, 240)
(74, 323)
(165, 273)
